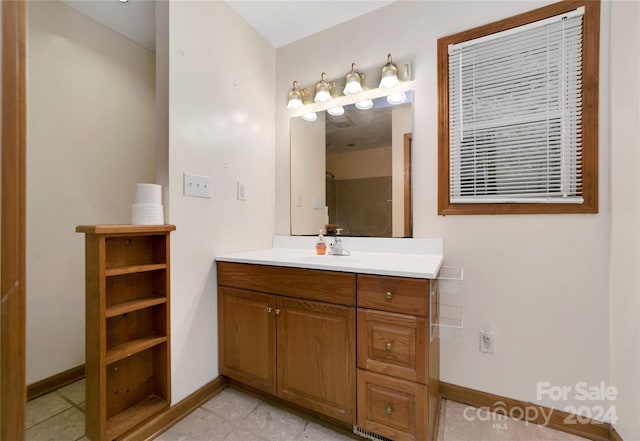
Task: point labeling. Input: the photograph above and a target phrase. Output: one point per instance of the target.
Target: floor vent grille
(369, 435)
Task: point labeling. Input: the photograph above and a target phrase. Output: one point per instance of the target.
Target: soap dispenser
(321, 247)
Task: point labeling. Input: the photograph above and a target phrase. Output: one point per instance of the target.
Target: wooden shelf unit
(127, 326)
(134, 305)
(131, 269)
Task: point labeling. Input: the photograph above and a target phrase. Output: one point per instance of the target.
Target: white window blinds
(515, 111)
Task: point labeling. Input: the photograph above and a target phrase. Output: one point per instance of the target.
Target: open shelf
(130, 269)
(135, 250)
(128, 371)
(134, 305)
(136, 286)
(133, 347)
(134, 415)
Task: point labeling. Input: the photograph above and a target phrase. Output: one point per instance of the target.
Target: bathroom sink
(326, 259)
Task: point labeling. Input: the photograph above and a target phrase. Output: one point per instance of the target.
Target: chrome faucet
(335, 248)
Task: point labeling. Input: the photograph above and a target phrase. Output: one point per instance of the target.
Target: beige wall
(401, 123)
(308, 161)
(358, 164)
(90, 138)
(221, 124)
(162, 101)
(540, 282)
(625, 215)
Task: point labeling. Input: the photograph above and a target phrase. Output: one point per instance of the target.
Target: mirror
(353, 171)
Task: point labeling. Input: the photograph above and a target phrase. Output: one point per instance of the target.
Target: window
(518, 114)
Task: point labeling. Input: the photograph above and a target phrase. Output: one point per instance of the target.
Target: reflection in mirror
(353, 171)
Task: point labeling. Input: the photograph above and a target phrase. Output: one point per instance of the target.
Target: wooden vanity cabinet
(398, 364)
(291, 333)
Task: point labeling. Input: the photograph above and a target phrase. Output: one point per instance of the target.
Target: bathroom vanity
(351, 338)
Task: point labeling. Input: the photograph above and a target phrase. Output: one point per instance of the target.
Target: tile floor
(57, 416)
(235, 416)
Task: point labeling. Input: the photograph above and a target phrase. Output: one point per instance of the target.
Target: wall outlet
(487, 342)
(197, 186)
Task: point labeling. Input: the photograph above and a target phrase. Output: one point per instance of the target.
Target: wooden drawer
(323, 286)
(391, 407)
(394, 294)
(393, 344)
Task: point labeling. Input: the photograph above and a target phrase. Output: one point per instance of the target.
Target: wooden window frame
(590, 74)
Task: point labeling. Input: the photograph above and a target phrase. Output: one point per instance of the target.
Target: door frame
(408, 211)
(13, 390)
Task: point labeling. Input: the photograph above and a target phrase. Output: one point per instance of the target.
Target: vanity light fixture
(295, 99)
(323, 90)
(354, 87)
(123, 1)
(364, 105)
(396, 98)
(389, 74)
(311, 117)
(353, 83)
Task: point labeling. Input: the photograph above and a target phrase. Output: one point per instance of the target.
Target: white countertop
(417, 258)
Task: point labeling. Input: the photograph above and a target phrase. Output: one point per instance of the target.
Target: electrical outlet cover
(487, 342)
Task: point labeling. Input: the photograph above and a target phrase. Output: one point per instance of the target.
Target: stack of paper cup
(147, 207)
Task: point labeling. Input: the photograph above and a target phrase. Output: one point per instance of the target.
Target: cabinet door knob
(388, 346)
(388, 410)
(268, 308)
(277, 311)
(388, 295)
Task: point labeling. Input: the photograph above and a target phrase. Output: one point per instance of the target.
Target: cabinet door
(317, 357)
(247, 338)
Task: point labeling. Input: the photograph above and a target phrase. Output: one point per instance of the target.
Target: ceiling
(362, 129)
(279, 22)
(358, 129)
(283, 22)
(135, 19)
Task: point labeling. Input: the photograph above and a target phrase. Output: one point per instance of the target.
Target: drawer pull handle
(388, 346)
(388, 410)
(268, 308)
(388, 295)
(277, 312)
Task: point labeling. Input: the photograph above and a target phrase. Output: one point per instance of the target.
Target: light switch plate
(197, 186)
(240, 193)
